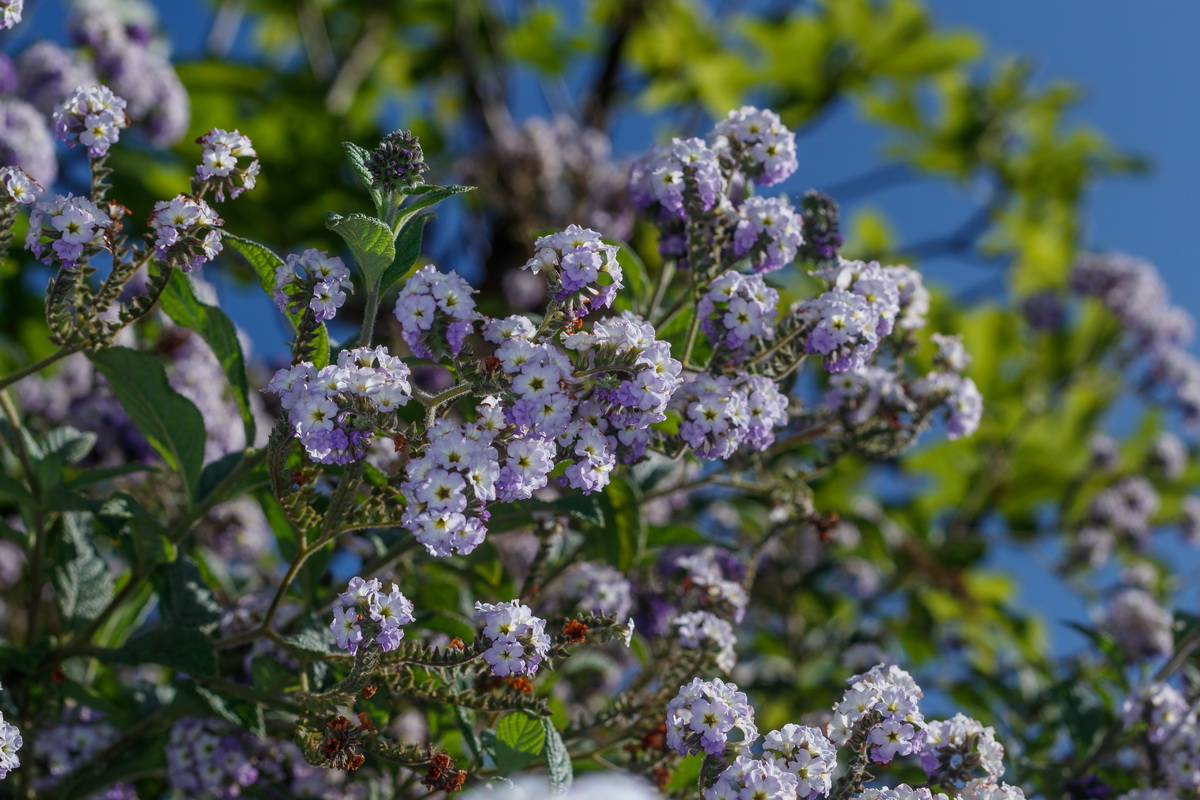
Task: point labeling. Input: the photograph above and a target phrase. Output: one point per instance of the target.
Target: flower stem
(369, 315)
(25, 372)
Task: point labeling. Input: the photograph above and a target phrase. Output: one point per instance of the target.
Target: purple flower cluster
(738, 311)
(18, 186)
(67, 746)
(959, 746)
(720, 414)
(128, 57)
(366, 600)
(449, 484)
(64, 231)
(334, 411)
(10, 13)
(94, 117)
(914, 297)
(861, 394)
(582, 269)
(844, 329)
(905, 792)
(769, 232)
(26, 141)
(10, 743)
(623, 408)
(187, 232)
(760, 779)
(982, 790)
(881, 702)
(704, 629)
(313, 276)
(951, 355)
(716, 575)
(806, 753)
(219, 169)
(1135, 294)
(1169, 455)
(667, 179)
(822, 237)
(518, 640)
(758, 143)
(598, 588)
(704, 713)
(1127, 508)
(1142, 628)
(958, 397)
(47, 73)
(436, 312)
(206, 758)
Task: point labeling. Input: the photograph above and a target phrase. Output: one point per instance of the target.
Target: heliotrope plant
(513, 454)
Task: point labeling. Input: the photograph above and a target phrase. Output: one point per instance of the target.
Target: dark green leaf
(181, 304)
(620, 540)
(184, 599)
(424, 197)
(558, 760)
(520, 738)
(241, 713)
(67, 443)
(408, 249)
(370, 241)
(107, 473)
(166, 418)
(83, 584)
(184, 649)
(13, 489)
(310, 642)
(357, 156)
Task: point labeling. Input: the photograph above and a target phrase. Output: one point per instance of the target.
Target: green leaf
(184, 649)
(370, 241)
(424, 197)
(107, 473)
(408, 249)
(558, 760)
(520, 738)
(166, 418)
(83, 583)
(357, 156)
(68, 444)
(264, 261)
(624, 536)
(310, 642)
(184, 599)
(145, 541)
(13, 489)
(241, 713)
(181, 304)
(585, 508)
(637, 277)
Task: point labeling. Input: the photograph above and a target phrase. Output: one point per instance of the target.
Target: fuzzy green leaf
(181, 304)
(168, 420)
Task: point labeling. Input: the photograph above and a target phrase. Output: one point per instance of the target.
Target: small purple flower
(758, 143)
(187, 232)
(702, 715)
(94, 117)
(229, 164)
(435, 312)
(768, 232)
